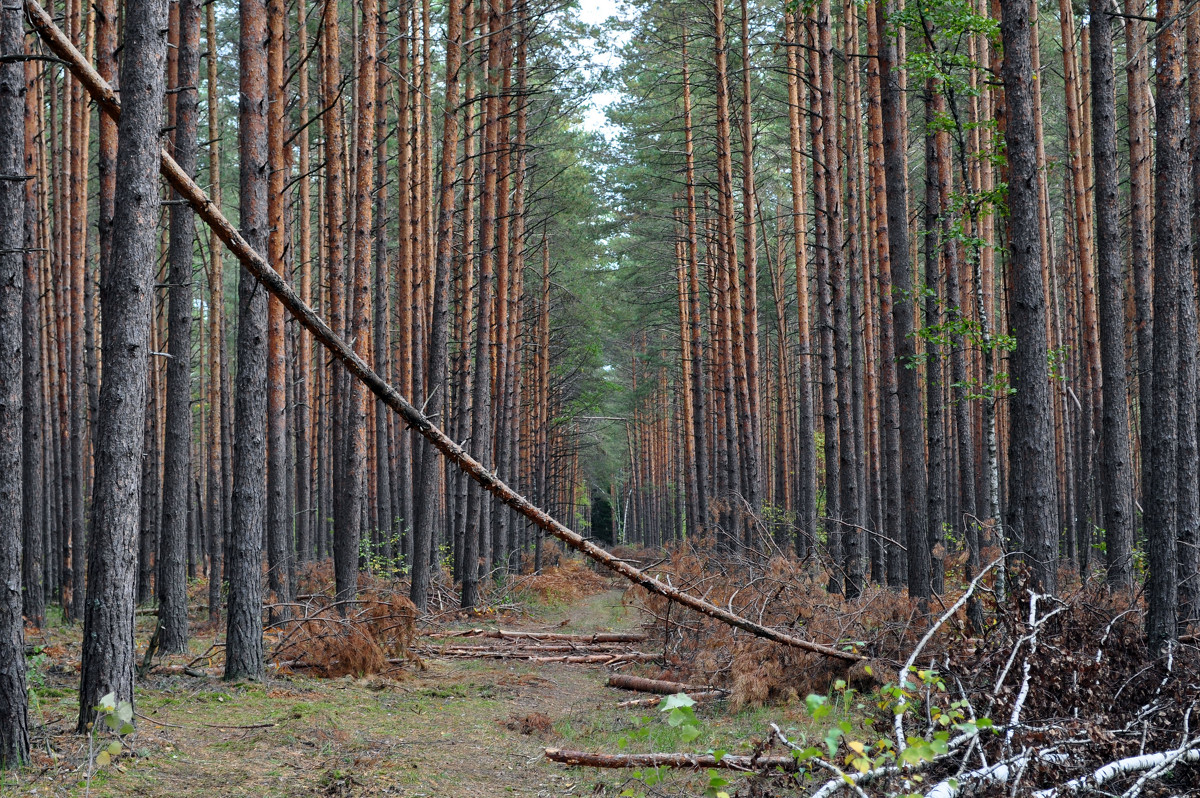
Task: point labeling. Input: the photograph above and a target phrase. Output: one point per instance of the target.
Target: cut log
(605, 658)
(653, 701)
(256, 264)
(693, 761)
(660, 686)
(504, 634)
(549, 648)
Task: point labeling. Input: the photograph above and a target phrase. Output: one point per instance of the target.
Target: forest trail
(455, 728)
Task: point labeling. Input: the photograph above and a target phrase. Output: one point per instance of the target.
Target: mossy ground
(467, 728)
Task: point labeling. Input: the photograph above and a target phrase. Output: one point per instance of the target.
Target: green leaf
(719, 754)
(114, 748)
(689, 733)
(108, 703)
(126, 729)
(103, 759)
(112, 722)
(818, 706)
(125, 711)
(676, 701)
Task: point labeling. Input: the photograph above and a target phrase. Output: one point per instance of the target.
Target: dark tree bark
(935, 409)
(1188, 569)
(1031, 486)
(177, 445)
(912, 434)
(478, 516)
(14, 720)
(125, 301)
(1116, 462)
(436, 385)
(1172, 267)
(244, 645)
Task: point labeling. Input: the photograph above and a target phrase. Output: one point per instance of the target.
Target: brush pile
(1074, 702)
(329, 638)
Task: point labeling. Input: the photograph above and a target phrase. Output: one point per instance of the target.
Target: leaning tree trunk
(244, 644)
(177, 449)
(1031, 492)
(14, 722)
(126, 291)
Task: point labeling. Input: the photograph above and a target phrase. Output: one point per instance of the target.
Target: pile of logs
(599, 648)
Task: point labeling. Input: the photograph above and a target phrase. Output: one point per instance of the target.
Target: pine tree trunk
(1031, 486)
(1137, 76)
(34, 494)
(279, 517)
(700, 520)
(912, 438)
(1174, 389)
(1116, 463)
(14, 721)
(244, 643)
(893, 516)
(125, 298)
(177, 466)
(436, 385)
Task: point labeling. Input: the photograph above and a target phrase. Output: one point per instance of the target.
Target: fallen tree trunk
(605, 658)
(278, 287)
(504, 634)
(694, 761)
(660, 686)
(653, 701)
(549, 648)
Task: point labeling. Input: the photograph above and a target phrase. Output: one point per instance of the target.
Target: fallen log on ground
(694, 761)
(653, 701)
(660, 686)
(608, 658)
(550, 648)
(504, 634)
(262, 271)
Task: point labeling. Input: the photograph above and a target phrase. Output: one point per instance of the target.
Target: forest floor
(440, 727)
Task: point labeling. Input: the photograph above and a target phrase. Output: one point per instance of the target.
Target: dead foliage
(1070, 677)
(533, 723)
(781, 592)
(570, 580)
(332, 638)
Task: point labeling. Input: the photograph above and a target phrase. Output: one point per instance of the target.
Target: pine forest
(624, 397)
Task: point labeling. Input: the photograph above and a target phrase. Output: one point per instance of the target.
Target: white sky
(595, 12)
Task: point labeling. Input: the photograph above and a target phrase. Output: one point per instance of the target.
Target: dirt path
(466, 728)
